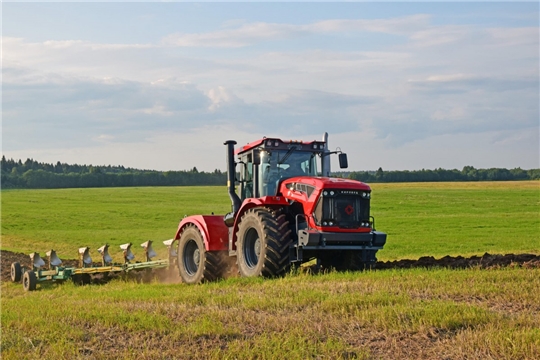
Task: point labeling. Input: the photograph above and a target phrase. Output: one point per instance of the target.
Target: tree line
(35, 175)
(468, 173)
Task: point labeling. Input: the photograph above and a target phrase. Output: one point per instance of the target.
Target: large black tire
(348, 260)
(16, 272)
(29, 281)
(263, 241)
(195, 264)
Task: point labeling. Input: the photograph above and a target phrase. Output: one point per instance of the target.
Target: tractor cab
(266, 162)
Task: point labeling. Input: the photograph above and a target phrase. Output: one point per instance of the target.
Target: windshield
(282, 164)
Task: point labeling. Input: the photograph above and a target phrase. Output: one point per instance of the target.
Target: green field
(435, 219)
(387, 314)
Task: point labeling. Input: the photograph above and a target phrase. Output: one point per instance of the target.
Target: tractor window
(246, 176)
(282, 164)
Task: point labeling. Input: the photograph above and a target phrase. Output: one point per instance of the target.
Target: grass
(385, 314)
(439, 219)
(66, 219)
(421, 219)
(390, 314)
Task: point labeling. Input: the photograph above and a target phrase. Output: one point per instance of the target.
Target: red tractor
(287, 211)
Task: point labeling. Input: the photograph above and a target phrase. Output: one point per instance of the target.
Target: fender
(212, 228)
(266, 201)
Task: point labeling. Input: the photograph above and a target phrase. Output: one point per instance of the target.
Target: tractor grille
(344, 209)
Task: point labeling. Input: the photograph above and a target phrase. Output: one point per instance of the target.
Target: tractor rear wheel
(195, 264)
(29, 281)
(16, 272)
(263, 241)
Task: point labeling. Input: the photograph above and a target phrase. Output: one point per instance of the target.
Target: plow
(53, 271)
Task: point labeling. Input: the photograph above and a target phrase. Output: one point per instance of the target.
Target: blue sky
(162, 85)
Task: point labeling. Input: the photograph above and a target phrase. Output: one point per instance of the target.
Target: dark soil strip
(485, 261)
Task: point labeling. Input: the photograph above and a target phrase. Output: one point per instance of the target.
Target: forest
(32, 174)
(35, 175)
(468, 173)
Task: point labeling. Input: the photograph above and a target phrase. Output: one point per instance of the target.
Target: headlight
(325, 193)
(324, 223)
(331, 193)
(330, 223)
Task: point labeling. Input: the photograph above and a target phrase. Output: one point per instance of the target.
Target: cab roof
(278, 144)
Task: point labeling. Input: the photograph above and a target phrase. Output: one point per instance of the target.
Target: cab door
(246, 176)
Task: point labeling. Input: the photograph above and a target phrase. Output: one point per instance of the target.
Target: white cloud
(399, 25)
(251, 33)
(515, 36)
(220, 96)
(440, 35)
(245, 35)
(104, 138)
(449, 77)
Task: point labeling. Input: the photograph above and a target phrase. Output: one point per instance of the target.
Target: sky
(402, 86)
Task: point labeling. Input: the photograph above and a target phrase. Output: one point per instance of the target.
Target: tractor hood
(306, 189)
(319, 183)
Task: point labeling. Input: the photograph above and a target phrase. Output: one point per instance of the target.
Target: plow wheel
(195, 264)
(16, 272)
(29, 281)
(263, 241)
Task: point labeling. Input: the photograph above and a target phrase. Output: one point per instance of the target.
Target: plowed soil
(486, 261)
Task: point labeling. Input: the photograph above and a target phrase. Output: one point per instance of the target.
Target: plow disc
(82, 274)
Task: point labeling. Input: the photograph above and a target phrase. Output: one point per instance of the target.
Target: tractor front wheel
(263, 241)
(195, 264)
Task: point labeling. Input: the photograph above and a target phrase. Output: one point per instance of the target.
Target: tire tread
(276, 231)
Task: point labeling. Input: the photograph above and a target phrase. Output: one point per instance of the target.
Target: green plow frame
(82, 274)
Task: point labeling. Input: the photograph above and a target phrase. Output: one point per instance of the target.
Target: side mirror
(256, 157)
(343, 163)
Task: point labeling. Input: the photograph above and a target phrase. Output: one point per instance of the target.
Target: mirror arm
(332, 152)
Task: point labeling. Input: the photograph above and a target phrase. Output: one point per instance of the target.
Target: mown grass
(421, 219)
(379, 314)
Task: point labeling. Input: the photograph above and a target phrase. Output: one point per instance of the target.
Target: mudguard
(212, 228)
(267, 201)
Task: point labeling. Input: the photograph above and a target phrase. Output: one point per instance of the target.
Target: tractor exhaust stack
(231, 176)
